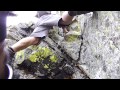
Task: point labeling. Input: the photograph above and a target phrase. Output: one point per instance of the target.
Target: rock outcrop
(100, 49)
(90, 50)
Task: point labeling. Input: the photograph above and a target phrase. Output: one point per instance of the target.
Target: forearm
(66, 18)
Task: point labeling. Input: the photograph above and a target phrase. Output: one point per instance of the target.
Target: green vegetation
(71, 38)
(20, 55)
(41, 54)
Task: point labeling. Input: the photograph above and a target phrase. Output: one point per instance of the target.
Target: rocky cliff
(90, 50)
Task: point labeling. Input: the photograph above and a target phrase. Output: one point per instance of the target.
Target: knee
(35, 40)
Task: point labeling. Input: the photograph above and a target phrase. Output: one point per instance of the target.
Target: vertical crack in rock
(67, 58)
(79, 57)
(81, 37)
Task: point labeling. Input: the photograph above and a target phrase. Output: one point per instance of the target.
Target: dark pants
(3, 15)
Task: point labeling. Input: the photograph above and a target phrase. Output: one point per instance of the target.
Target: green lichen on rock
(72, 36)
(53, 58)
(46, 66)
(41, 54)
(20, 56)
(75, 26)
(44, 56)
(74, 33)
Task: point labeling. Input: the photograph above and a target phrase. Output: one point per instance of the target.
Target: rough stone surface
(90, 50)
(25, 69)
(100, 50)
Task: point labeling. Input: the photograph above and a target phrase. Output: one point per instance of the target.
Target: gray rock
(79, 74)
(72, 48)
(20, 74)
(20, 31)
(100, 51)
(13, 33)
(96, 53)
(10, 42)
(56, 34)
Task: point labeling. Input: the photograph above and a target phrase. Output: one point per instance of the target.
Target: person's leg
(44, 24)
(35, 38)
(24, 43)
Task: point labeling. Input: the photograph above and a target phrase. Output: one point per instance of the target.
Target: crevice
(81, 37)
(69, 60)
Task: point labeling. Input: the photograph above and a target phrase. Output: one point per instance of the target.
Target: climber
(45, 23)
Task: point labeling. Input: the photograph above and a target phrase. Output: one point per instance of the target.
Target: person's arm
(68, 16)
(3, 15)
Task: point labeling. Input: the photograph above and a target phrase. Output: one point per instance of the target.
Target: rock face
(51, 59)
(90, 50)
(100, 51)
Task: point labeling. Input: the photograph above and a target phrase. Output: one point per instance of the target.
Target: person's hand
(65, 30)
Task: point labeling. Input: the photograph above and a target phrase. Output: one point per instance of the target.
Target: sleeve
(74, 13)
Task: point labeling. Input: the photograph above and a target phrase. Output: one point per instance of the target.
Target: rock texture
(100, 50)
(90, 50)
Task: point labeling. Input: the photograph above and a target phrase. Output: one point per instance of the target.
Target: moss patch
(20, 56)
(46, 66)
(71, 38)
(41, 54)
(74, 33)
